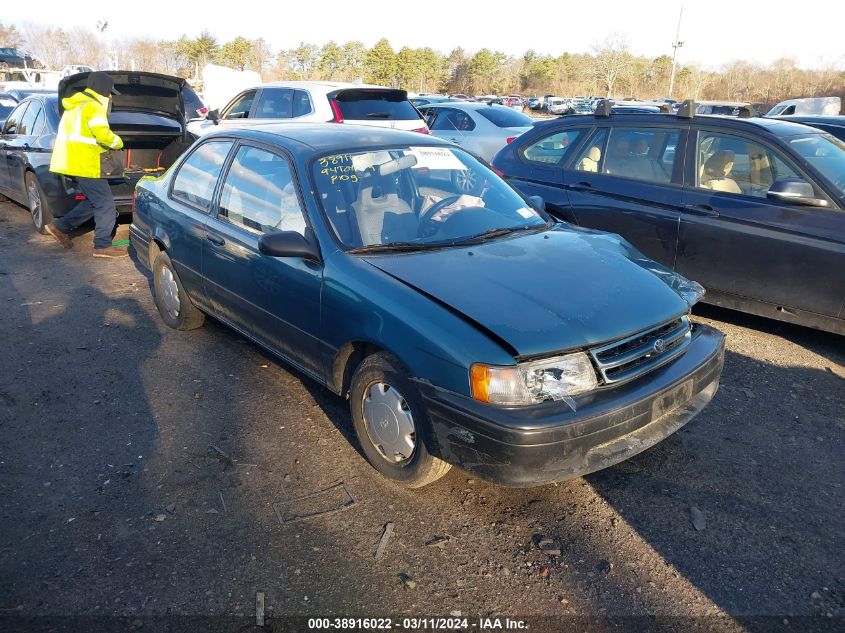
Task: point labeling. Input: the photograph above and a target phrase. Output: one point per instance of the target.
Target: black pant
(98, 204)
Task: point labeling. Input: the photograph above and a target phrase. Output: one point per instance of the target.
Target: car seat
(716, 171)
(590, 160)
(382, 216)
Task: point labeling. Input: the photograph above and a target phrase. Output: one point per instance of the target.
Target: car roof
(330, 137)
(318, 85)
(774, 127)
(810, 119)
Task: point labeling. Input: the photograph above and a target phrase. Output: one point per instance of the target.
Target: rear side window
(301, 103)
(275, 103)
(646, 154)
(449, 120)
(375, 105)
(552, 149)
(259, 193)
(195, 181)
(505, 117)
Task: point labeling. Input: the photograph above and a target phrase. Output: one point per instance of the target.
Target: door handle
(217, 241)
(582, 186)
(704, 210)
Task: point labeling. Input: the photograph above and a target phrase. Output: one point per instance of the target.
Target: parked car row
(754, 209)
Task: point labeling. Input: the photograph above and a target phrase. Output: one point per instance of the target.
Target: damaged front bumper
(529, 446)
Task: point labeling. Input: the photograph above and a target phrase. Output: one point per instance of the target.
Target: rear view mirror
(795, 191)
(213, 116)
(288, 244)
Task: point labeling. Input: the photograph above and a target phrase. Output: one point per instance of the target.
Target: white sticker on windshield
(8, 102)
(436, 158)
(526, 212)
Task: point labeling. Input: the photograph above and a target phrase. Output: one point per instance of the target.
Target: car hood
(561, 289)
(139, 92)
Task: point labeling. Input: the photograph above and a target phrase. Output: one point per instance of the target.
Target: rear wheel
(39, 209)
(173, 303)
(391, 423)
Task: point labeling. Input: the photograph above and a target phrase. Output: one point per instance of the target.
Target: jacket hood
(561, 289)
(76, 100)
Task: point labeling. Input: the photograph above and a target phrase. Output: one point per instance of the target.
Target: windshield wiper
(491, 233)
(378, 115)
(399, 247)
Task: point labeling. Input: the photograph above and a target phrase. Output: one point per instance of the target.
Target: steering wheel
(426, 223)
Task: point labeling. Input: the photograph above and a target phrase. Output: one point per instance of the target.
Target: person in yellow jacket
(83, 135)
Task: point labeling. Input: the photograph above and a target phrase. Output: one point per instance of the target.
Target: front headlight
(558, 378)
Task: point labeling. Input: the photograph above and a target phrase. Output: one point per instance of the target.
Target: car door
(23, 143)
(735, 240)
(7, 146)
(627, 179)
(535, 168)
(275, 300)
(191, 197)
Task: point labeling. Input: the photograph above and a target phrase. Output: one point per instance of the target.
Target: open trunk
(149, 148)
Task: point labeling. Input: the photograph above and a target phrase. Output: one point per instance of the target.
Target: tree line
(608, 69)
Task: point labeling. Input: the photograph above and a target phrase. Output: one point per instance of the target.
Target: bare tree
(612, 61)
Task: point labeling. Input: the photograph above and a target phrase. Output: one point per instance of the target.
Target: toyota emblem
(660, 346)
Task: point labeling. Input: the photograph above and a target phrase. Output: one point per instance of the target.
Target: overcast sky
(713, 32)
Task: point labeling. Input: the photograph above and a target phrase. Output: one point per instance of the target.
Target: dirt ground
(150, 474)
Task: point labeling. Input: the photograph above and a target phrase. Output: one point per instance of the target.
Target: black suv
(753, 209)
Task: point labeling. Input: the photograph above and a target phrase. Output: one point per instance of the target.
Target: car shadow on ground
(742, 501)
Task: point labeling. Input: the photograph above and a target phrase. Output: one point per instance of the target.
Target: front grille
(635, 355)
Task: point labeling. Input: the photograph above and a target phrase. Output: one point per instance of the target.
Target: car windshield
(824, 152)
(501, 116)
(412, 198)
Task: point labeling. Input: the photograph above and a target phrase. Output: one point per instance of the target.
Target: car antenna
(687, 109)
(604, 108)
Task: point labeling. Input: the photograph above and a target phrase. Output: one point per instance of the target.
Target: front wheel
(391, 423)
(39, 208)
(175, 307)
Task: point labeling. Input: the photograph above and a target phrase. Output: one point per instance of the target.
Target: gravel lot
(139, 468)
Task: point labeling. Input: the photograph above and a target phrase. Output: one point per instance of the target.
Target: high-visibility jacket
(83, 135)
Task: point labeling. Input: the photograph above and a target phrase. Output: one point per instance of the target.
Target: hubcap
(465, 179)
(389, 423)
(34, 203)
(169, 292)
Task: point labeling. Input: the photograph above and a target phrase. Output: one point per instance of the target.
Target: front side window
(733, 164)
(196, 179)
(450, 120)
(590, 158)
(275, 103)
(552, 149)
(411, 198)
(240, 108)
(259, 193)
(11, 125)
(824, 152)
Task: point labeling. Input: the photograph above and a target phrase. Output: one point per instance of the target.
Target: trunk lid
(141, 92)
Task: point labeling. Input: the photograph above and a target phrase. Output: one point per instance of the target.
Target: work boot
(110, 252)
(61, 238)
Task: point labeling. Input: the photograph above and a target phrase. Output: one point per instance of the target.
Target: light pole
(675, 46)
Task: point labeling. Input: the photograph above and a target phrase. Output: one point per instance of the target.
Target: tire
(379, 381)
(39, 208)
(173, 303)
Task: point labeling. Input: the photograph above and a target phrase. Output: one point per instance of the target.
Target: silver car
(482, 129)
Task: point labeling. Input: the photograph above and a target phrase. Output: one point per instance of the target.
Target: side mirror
(288, 244)
(537, 202)
(794, 191)
(213, 116)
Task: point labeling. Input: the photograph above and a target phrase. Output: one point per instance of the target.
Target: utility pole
(675, 46)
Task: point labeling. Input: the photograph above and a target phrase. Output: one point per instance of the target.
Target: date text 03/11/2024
(418, 624)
